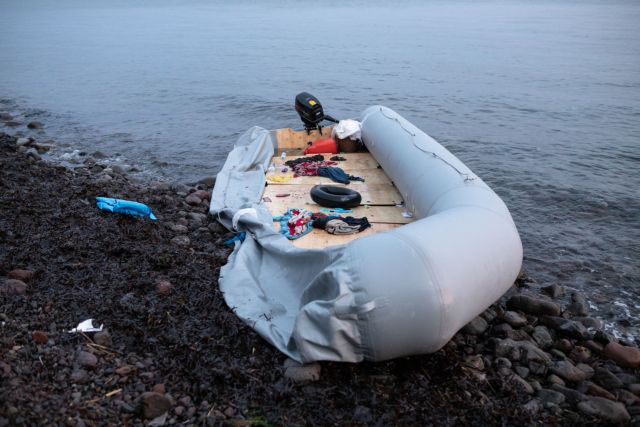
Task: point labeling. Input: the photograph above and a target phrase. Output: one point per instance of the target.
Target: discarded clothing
(292, 163)
(336, 210)
(239, 237)
(295, 223)
(127, 207)
(335, 224)
(338, 226)
(310, 168)
(338, 159)
(337, 175)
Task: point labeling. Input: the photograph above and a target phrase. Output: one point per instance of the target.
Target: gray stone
(542, 337)
(605, 410)
(476, 327)
(519, 384)
(538, 368)
(514, 319)
(12, 123)
(522, 371)
(216, 228)
(5, 116)
(566, 327)
(502, 329)
(606, 379)
(79, 376)
(196, 216)
(86, 359)
(589, 322)
(179, 228)
(13, 287)
(578, 306)
(567, 371)
(181, 241)
(532, 407)
(301, 373)
(554, 291)
(551, 396)
(23, 141)
(571, 394)
(193, 200)
(634, 388)
(35, 125)
(104, 179)
(154, 404)
(595, 390)
(475, 362)
(554, 379)
(502, 362)
(626, 379)
(588, 370)
(32, 153)
(534, 306)
(209, 181)
(103, 338)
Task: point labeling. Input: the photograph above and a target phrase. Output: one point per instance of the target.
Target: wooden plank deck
(379, 196)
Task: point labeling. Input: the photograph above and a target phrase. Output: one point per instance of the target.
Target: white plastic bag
(348, 128)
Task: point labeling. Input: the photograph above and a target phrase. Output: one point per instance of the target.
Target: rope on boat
(467, 177)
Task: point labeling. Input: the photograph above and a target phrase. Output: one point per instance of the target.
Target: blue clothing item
(238, 237)
(337, 175)
(125, 206)
(295, 223)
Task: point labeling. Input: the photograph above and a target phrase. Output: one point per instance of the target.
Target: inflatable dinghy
(441, 249)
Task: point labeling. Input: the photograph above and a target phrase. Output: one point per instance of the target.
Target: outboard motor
(311, 112)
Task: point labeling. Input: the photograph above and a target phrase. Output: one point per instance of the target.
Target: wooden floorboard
(372, 194)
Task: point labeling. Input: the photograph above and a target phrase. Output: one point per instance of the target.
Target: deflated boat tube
(392, 294)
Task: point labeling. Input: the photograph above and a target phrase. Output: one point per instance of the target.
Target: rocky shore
(172, 352)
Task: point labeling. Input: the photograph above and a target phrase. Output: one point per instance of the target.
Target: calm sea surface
(540, 100)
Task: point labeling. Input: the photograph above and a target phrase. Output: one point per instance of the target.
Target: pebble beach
(171, 352)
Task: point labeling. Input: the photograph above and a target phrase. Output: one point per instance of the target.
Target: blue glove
(125, 206)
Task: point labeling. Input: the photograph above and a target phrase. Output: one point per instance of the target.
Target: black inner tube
(332, 196)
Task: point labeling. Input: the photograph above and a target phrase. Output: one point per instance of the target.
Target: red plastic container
(322, 145)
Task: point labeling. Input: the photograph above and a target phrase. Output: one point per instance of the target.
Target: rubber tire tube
(332, 196)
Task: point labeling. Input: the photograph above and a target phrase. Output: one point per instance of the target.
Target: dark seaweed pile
(215, 370)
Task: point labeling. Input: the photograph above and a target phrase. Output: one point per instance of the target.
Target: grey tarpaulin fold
(402, 292)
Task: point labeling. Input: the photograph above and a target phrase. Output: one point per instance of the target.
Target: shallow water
(540, 100)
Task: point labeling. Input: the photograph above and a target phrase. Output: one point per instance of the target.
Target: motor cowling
(310, 111)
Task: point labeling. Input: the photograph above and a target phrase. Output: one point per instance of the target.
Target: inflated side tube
(332, 196)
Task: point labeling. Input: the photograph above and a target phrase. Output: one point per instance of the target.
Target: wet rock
(180, 189)
(522, 371)
(164, 287)
(566, 327)
(35, 125)
(42, 148)
(475, 362)
(301, 373)
(202, 194)
(542, 337)
(32, 153)
(86, 359)
(606, 379)
(5, 116)
(159, 388)
(118, 169)
(129, 301)
(514, 319)
(503, 329)
(634, 388)
(593, 389)
(197, 217)
(13, 287)
(20, 142)
(216, 228)
(567, 371)
(564, 345)
(519, 384)
(104, 179)
(209, 181)
(531, 353)
(579, 305)
(518, 335)
(570, 394)
(594, 346)
(24, 275)
(103, 338)
(193, 200)
(12, 123)
(476, 327)
(125, 370)
(534, 306)
(41, 337)
(605, 410)
(626, 379)
(629, 357)
(551, 396)
(532, 407)
(627, 397)
(181, 241)
(589, 322)
(554, 379)
(538, 368)
(580, 354)
(154, 404)
(554, 291)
